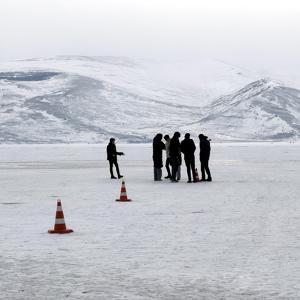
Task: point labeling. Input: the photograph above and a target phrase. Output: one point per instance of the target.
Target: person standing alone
(112, 158)
(158, 147)
(188, 149)
(204, 157)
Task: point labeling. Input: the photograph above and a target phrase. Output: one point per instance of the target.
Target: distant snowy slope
(191, 82)
(261, 110)
(71, 99)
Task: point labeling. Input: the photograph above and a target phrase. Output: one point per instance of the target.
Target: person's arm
(193, 147)
(120, 153)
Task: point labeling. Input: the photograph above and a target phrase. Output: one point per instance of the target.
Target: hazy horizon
(259, 35)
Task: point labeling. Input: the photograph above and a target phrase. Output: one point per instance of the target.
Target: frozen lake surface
(235, 238)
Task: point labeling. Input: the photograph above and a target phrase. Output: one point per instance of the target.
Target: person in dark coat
(204, 157)
(167, 148)
(175, 155)
(158, 147)
(188, 149)
(112, 158)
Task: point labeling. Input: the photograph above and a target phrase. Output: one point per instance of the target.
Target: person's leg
(207, 171)
(168, 168)
(156, 175)
(111, 169)
(188, 169)
(117, 168)
(193, 168)
(174, 171)
(178, 174)
(159, 173)
(202, 169)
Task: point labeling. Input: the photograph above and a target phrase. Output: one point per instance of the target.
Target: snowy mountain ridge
(262, 110)
(71, 99)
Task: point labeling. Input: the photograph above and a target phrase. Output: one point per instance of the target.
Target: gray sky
(258, 33)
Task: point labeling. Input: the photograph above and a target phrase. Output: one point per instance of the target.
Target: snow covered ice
(235, 238)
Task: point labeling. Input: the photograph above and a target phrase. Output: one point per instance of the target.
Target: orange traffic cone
(196, 175)
(60, 225)
(123, 195)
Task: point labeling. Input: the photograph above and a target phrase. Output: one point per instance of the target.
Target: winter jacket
(204, 149)
(175, 152)
(158, 147)
(167, 147)
(188, 148)
(112, 153)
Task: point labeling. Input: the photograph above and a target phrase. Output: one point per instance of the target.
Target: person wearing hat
(188, 149)
(204, 157)
(112, 158)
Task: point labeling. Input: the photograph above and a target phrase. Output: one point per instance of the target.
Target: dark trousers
(157, 174)
(190, 166)
(111, 163)
(175, 167)
(205, 168)
(168, 167)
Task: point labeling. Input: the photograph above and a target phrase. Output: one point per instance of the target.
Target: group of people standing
(174, 148)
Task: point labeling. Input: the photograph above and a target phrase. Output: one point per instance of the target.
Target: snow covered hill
(261, 110)
(71, 99)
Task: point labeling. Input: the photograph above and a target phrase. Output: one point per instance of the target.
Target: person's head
(187, 136)
(167, 137)
(159, 136)
(177, 135)
(202, 136)
(112, 140)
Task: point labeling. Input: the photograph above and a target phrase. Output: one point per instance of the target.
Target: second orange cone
(123, 195)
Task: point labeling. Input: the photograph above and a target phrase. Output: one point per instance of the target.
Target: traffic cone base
(120, 200)
(61, 231)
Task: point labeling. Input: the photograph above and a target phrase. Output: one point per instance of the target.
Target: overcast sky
(263, 33)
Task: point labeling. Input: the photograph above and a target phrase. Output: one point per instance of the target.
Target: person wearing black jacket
(112, 158)
(188, 148)
(175, 155)
(158, 147)
(204, 157)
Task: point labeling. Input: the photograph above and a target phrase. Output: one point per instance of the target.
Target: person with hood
(175, 155)
(167, 148)
(158, 147)
(188, 149)
(204, 157)
(112, 154)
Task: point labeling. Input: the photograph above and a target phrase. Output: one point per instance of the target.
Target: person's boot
(120, 176)
(209, 179)
(113, 177)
